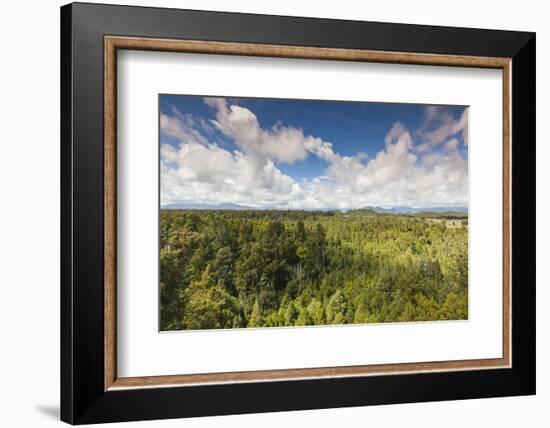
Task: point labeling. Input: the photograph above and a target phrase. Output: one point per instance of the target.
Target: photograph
(262, 212)
(287, 212)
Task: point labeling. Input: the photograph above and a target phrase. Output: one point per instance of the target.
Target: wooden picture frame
(91, 390)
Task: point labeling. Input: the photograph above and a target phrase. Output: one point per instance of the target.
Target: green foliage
(208, 305)
(231, 269)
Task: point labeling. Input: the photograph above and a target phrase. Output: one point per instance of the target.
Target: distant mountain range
(381, 210)
(414, 210)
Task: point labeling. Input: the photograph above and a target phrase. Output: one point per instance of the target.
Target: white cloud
(175, 127)
(200, 171)
(279, 143)
(452, 144)
(439, 126)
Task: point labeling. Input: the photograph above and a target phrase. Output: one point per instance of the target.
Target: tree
(209, 306)
(408, 313)
(232, 269)
(454, 308)
(256, 316)
(316, 312)
(290, 314)
(303, 317)
(300, 231)
(222, 268)
(336, 309)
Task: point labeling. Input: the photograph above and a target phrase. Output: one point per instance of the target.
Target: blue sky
(307, 154)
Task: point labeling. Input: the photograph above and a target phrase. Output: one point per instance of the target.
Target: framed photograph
(266, 213)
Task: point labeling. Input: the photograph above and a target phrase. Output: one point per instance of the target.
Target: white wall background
(29, 214)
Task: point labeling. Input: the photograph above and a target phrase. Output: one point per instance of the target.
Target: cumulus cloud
(439, 126)
(452, 144)
(180, 129)
(199, 170)
(279, 143)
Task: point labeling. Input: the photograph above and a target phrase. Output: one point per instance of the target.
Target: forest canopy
(235, 269)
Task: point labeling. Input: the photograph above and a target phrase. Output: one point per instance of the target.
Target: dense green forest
(232, 269)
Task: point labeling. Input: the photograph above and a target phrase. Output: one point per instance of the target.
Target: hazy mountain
(414, 210)
(381, 210)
